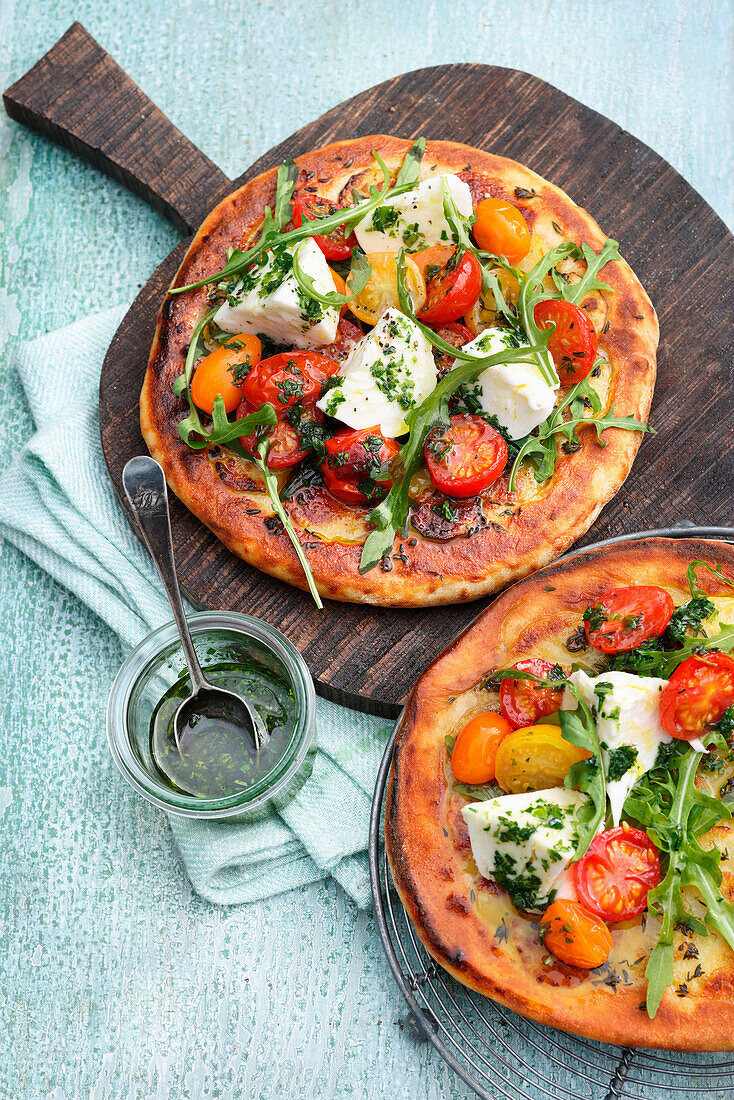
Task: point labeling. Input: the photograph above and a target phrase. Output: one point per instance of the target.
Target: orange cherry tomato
(697, 694)
(624, 618)
(340, 287)
(523, 702)
(614, 875)
(501, 229)
(223, 372)
(475, 750)
(575, 936)
(573, 344)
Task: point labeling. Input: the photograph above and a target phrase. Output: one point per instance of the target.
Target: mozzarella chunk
(627, 714)
(525, 841)
(268, 300)
(390, 371)
(516, 393)
(415, 219)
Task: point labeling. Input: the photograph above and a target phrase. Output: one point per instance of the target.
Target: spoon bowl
(146, 490)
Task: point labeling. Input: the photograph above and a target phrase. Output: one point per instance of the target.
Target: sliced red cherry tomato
(574, 343)
(697, 694)
(613, 877)
(336, 245)
(455, 334)
(452, 284)
(356, 459)
(286, 378)
(523, 702)
(626, 617)
(465, 457)
(500, 228)
(286, 448)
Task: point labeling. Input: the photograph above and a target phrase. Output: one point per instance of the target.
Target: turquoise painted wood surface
(116, 981)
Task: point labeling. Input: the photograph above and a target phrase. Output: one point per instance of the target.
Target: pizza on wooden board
(558, 817)
(399, 374)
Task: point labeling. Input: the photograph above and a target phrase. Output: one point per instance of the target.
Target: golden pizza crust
(468, 924)
(517, 533)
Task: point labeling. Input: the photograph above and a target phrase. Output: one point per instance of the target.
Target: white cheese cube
(626, 709)
(390, 371)
(525, 841)
(516, 393)
(268, 299)
(415, 219)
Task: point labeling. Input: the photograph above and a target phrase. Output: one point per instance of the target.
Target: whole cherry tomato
(626, 617)
(523, 702)
(614, 875)
(223, 372)
(354, 470)
(697, 694)
(464, 457)
(336, 245)
(501, 229)
(475, 749)
(574, 936)
(574, 343)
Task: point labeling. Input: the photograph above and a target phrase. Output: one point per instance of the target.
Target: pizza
(558, 816)
(400, 374)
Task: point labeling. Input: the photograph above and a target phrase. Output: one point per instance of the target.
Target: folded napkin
(57, 505)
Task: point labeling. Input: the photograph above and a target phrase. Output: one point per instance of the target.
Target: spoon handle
(145, 487)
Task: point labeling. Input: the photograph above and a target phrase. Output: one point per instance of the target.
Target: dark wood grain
(77, 96)
(681, 251)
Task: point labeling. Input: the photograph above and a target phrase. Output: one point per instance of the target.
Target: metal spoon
(146, 490)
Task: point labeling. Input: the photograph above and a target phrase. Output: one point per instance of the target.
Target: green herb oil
(216, 759)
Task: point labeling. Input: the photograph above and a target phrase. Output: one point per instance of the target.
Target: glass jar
(158, 662)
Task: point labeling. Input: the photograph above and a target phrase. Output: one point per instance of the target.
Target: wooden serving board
(679, 248)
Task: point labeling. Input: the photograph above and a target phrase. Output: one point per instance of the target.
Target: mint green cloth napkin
(57, 505)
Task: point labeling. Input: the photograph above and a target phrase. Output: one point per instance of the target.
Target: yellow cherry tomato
(500, 228)
(475, 749)
(223, 371)
(575, 936)
(381, 292)
(534, 759)
(484, 311)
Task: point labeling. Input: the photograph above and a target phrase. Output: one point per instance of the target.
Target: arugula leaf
(542, 448)
(675, 814)
(361, 268)
(481, 792)
(223, 430)
(285, 182)
(576, 292)
(271, 484)
(532, 291)
(578, 727)
(411, 166)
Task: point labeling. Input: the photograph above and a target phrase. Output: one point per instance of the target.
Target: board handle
(79, 97)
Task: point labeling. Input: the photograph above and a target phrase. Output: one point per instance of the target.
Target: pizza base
(468, 924)
(518, 533)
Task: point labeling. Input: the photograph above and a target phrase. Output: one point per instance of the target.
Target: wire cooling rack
(498, 1053)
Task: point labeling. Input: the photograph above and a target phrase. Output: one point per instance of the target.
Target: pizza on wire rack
(558, 814)
(400, 374)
